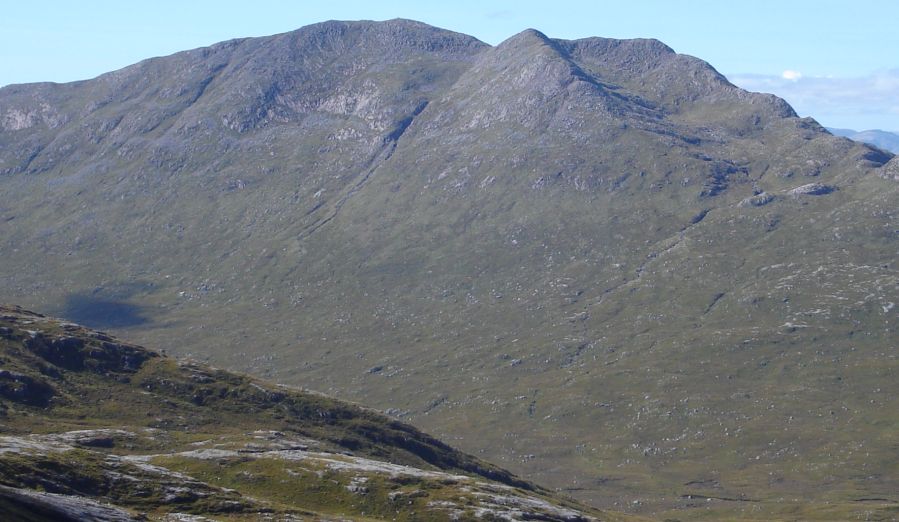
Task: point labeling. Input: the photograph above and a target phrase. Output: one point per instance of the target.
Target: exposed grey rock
(811, 189)
(757, 200)
(63, 508)
(891, 170)
(100, 438)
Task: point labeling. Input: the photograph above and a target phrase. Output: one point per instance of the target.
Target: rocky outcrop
(891, 170)
(143, 457)
(23, 388)
(757, 200)
(35, 506)
(811, 189)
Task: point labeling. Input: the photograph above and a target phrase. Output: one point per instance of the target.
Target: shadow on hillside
(96, 312)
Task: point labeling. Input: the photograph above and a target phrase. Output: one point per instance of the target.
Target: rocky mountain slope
(595, 262)
(97, 429)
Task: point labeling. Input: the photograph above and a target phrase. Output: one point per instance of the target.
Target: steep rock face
(588, 259)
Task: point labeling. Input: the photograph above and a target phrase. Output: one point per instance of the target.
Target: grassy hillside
(90, 421)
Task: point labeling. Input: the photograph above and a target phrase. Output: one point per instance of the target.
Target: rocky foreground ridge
(96, 429)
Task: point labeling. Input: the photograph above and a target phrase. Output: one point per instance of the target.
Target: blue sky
(834, 60)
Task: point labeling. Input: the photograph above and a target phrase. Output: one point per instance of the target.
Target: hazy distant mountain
(596, 262)
(883, 139)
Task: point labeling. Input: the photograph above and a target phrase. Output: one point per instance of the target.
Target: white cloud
(861, 103)
(791, 75)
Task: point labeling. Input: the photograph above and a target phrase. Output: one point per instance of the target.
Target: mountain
(883, 139)
(94, 428)
(595, 262)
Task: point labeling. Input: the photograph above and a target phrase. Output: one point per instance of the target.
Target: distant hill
(883, 139)
(594, 262)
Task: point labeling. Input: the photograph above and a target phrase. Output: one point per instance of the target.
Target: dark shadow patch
(100, 313)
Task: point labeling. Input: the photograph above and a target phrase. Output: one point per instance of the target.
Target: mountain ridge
(537, 250)
(885, 140)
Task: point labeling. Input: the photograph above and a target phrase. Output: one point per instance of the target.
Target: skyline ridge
(822, 72)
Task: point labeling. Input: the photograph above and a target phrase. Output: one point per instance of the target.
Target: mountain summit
(596, 262)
